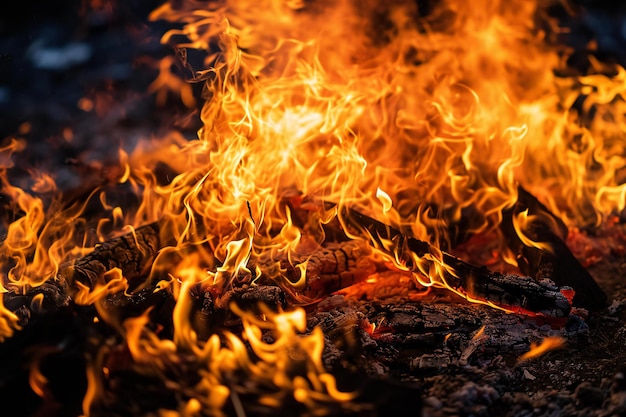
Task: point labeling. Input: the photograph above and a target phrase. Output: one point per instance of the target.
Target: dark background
(55, 53)
(93, 47)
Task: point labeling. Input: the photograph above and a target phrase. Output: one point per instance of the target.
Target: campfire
(389, 208)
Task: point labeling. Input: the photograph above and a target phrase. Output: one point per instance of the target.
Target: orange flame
(451, 124)
(546, 345)
(9, 321)
(275, 363)
(521, 222)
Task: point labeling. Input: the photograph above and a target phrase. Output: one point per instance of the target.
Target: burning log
(325, 269)
(545, 254)
(415, 326)
(133, 253)
(335, 266)
(328, 268)
(51, 296)
(303, 277)
(509, 291)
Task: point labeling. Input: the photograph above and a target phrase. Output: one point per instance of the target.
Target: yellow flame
(439, 125)
(546, 345)
(9, 321)
(114, 282)
(385, 199)
(479, 333)
(522, 222)
(275, 362)
(38, 381)
(167, 83)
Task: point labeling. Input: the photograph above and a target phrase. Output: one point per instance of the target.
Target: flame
(479, 334)
(37, 380)
(166, 83)
(522, 222)
(385, 199)
(291, 363)
(410, 116)
(546, 345)
(316, 385)
(114, 282)
(9, 321)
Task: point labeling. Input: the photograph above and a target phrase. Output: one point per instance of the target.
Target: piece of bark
(328, 268)
(48, 297)
(557, 264)
(133, 253)
(249, 298)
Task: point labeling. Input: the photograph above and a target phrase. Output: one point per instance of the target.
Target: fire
(411, 117)
(413, 112)
(546, 345)
(9, 322)
(291, 362)
(479, 334)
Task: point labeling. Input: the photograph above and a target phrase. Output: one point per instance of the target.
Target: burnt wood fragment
(48, 297)
(558, 264)
(250, 297)
(328, 268)
(133, 253)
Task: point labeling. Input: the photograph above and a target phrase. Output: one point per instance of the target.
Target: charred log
(327, 268)
(49, 297)
(508, 291)
(558, 263)
(334, 266)
(132, 253)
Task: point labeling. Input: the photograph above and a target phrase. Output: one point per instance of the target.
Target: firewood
(506, 290)
(329, 268)
(557, 264)
(133, 253)
(50, 296)
(333, 266)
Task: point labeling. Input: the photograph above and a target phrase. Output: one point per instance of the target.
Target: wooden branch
(334, 266)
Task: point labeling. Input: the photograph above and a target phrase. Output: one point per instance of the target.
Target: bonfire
(382, 196)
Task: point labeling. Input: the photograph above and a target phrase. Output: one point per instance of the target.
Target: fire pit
(317, 208)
